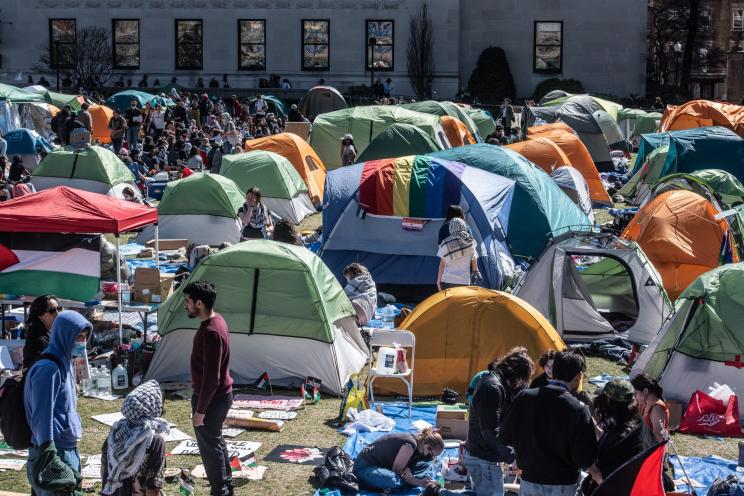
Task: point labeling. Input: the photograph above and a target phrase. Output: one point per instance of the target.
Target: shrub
(548, 85)
(491, 80)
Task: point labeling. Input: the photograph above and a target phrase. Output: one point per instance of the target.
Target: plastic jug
(387, 360)
(120, 380)
(388, 317)
(126, 295)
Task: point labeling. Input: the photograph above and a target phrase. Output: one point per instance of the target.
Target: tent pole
(157, 248)
(118, 285)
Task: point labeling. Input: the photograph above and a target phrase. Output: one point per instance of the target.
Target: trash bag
(730, 486)
(337, 472)
(707, 415)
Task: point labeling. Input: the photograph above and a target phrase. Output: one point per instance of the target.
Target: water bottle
(126, 296)
(388, 317)
(120, 378)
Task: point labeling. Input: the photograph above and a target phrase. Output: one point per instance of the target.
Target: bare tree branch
(420, 62)
(88, 61)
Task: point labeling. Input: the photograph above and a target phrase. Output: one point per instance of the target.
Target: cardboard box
(676, 410)
(169, 244)
(150, 286)
(452, 422)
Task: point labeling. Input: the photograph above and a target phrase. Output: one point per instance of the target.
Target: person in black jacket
(546, 363)
(484, 450)
(552, 432)
(41, 315)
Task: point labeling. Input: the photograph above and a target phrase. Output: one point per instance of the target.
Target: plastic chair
(401, 339)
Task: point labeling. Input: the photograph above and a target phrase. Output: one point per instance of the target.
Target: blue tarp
(539, 207)
(398, 412)
(134, 263)
(704, 470)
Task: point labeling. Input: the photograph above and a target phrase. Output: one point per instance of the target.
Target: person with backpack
(50, 401)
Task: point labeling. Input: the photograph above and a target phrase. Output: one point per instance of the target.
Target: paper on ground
(232, 431)
(250, 473)
(93, 459)
(243, 449)
(11, 464)
(111, 418)
(91, 471)
(104, 397)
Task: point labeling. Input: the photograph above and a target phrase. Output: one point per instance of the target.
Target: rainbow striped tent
(386, 214)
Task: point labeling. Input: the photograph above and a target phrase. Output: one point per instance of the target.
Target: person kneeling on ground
(133, 455)
(398, 461)
(362, 292)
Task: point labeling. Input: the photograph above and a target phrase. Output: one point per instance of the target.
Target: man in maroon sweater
(212, 383)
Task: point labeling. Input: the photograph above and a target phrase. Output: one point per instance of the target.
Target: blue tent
(540, 208)
(123, 99)
(695, 149)
(386, 214)
(25, 142)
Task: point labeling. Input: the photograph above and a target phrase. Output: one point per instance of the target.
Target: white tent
(574, 185)
(594, 285)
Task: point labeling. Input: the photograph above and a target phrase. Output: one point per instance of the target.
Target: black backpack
(337, 472)
(13, 421)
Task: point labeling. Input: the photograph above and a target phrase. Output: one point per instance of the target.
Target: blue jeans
(70, 456)
(133, 136)
(388, 481)
(531, 489)
(486, 477)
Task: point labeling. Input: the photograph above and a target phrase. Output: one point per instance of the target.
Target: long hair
(38, 308)
(516, 364)
(430, 438)
(643, 381)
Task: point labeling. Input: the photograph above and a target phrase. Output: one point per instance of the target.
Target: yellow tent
(460, 330)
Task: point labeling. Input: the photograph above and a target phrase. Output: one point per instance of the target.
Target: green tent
(17, 95)
(286, 312)
(703, 341)
(123, 99)
(93, 169)
(611, 108)
(59, 100)
(282, 189)
(715, 184)
(645, 124)
(202, 194)
(433, 107)
(638, 186)
(483, 121)
(398, 140)
(539, 209)
(364, 124)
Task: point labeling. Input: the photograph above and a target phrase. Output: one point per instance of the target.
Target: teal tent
(123, 99)
(17, 95)
(398, 140)
(276, 106)
(539, 210)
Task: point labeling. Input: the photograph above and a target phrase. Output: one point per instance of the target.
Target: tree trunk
(693, 23)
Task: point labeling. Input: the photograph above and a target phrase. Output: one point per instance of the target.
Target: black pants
(212, 445)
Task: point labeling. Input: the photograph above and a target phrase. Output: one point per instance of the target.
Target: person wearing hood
(458, 259)
(50, 401)
(133, 455)
(362, 291)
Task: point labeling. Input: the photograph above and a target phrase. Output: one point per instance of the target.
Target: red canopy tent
(69, 210)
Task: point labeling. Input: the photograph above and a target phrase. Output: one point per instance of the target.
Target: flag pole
(118, 285)
(679, 459)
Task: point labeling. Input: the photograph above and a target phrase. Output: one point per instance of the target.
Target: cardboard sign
(91, 471)
(11, 464)
(241, 449)
(257, 402)
(277, 415)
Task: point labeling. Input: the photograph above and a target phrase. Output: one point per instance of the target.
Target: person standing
(117, 129)
(50, 401)
(659, 105)
(255, 216)
(552, 432)
(348, 150)
(507, 116)
(212, 384)
(84, 117)
(484, 450)
(41, 315)
(134, 122)
(3, 145)
(458, 260)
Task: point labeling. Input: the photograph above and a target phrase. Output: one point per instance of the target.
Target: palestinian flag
(263, 382)
(640, 476)
(65, 265)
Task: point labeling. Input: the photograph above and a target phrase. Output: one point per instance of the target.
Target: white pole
(118, 285)
(157, 248)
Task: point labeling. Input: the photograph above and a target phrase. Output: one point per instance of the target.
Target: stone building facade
(599, 42)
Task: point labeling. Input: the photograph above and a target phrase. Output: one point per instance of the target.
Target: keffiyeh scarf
(131, 436)
(362, 287)
(459, 240)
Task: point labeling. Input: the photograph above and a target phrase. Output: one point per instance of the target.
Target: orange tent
(52, 109)
(100, 115)
(702, 113)
(457, 133)
(679, 234)
(578, 157)
(460, 331)
(541, 152)
(534, 131)
(300, 154)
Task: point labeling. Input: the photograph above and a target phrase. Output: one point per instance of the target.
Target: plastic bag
(707, 415)
(367, 421)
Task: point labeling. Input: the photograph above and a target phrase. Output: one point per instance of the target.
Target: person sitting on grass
(362, 291)
(133, 455)
(284, 232)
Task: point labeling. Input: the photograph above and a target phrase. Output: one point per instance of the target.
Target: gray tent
(321, 99)
(574, 185)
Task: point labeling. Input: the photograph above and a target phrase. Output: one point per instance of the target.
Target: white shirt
(457, 271)
(260, 107)
(158, 120)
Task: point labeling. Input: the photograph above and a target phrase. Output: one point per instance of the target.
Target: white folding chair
(401, 339)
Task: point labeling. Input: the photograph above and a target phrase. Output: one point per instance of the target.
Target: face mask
(426, 458)
(79, 349)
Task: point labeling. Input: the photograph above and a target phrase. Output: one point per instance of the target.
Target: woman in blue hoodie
(50, 400)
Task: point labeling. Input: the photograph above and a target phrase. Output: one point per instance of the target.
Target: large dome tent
(319, 100)
(123, 100)
(386, 214)
(445, 108)
(459, 331)
(94, 169)
(282, 189)
(202, 208)
(482, 119)
(398, 140)
(704, 113)
(364, 124)
(287, 316)
(539, 208)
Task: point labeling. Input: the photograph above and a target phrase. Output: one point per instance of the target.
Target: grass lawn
(311, 428)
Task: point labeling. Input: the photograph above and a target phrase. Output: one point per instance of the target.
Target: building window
(316, 45)
(126, 43)
(252, 44)
(548, 57)
(381, 54)
(189, 44)
(62, 39)
(737, 19)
